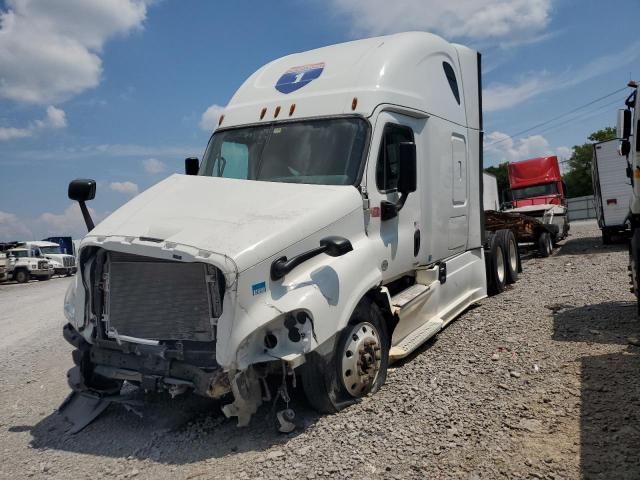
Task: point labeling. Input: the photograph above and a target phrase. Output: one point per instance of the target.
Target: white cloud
(153, 166)
(500, 147)
(209, 119)
(11, 228)
(69, 222)
(49, 50)
(509, 20)
(500, 96)
(9, 133)
(128, 188)
(56, 118)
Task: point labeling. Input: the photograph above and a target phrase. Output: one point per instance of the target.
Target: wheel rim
(500, 264)
(361, 359)
(513, 255)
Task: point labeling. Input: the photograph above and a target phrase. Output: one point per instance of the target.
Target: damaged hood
(245, 220)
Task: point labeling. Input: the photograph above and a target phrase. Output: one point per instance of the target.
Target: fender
(326, 289)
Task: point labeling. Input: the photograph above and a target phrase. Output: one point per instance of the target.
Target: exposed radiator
(156, 299)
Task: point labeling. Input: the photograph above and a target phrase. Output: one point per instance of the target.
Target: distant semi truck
(538, 192)
(611, 189)
(63, 263)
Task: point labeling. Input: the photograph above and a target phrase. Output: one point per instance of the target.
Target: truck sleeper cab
(333, 226)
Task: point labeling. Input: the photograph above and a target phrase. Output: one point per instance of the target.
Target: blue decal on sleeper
(297, 77)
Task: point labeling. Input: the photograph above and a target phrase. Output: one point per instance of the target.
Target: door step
(406, 296)
(415, 339)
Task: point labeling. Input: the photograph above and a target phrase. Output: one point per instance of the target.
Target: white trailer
(333, 226)
(611, 188)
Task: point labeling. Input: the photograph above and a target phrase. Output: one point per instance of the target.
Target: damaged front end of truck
(168, 315)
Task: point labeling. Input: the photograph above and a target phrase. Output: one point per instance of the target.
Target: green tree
(578, 178)
(502, 177)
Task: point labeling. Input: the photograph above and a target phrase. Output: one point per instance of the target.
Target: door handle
(416, 243)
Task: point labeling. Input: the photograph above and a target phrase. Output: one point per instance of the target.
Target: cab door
(397, 239)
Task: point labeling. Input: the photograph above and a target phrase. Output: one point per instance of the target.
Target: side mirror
(191, 166)
(625, 148)
(407, 180)
(82, 189)
(623, 129)
(36, 253)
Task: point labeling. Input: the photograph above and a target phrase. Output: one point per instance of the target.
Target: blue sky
(117, 90)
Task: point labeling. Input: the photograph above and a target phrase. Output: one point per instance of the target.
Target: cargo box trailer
(333, 225)
(611, 189)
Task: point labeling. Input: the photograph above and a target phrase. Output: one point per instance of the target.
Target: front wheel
(21, 276)
(545, 247)
(359, 363)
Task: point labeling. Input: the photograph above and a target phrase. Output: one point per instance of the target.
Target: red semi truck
(537, 181)
(539, 197)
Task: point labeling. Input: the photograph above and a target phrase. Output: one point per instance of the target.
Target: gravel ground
(538, 382)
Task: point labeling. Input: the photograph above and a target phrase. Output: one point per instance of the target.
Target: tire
(333, 384)
(496, 265)
(512, 255)
(21, 276)
(545, 247)
(606, 237)
(634, 257)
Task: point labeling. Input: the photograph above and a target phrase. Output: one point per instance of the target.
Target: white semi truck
(63, 264)
(334, 224)
(627, 130)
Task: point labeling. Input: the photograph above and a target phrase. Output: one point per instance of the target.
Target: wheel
(512, 254)
(606, 237)
(496, 265)
(21, 276)
(545, 246)
(358, 365)
(634, 252)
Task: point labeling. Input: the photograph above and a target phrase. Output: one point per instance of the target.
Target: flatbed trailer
(526, 229)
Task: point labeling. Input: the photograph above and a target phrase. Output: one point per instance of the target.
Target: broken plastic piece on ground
(80, 409)
(285, 419)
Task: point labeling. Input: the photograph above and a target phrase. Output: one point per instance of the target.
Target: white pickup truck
(333, 225)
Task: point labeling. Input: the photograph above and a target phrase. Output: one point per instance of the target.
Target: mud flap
(80, 409)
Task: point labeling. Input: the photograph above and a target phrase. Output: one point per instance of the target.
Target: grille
(68, 261)
(43, 265)
(162, 300)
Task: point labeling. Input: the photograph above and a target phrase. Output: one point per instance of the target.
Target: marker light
(277, 112)
(292, 109)
(220, 120)
(354, 103)
(263, 113)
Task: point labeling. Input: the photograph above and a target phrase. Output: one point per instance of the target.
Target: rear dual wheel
(502, 261)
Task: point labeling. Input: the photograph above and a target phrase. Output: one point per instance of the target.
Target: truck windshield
(19, 253)
(327, 152)
(535, 191)
(50, 250)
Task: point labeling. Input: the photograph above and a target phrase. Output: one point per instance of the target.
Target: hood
(245, 220)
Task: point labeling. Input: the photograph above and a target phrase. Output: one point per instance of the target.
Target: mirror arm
(389, 210)
(86, 215)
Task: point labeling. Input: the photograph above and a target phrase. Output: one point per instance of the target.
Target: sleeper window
(453, 82)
